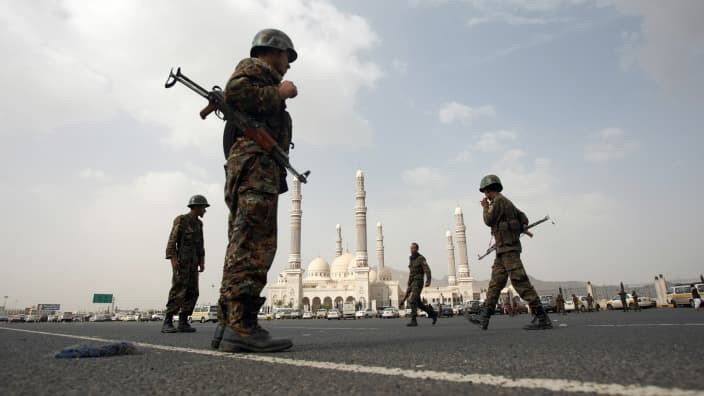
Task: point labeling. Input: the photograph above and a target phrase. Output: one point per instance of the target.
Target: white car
(158, 317)
(321, 314)
(307, 315)
(334, 314)
(615, 303)
(569, 304)
(389, 313)
(360, 314)
(32, 318)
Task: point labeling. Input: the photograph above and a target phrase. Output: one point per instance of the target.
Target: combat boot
(243, 333)
(220, 328)
(543, 321)
(183, 325)
(433, 314)
(482, 319)
(168, 326)
(412, 323)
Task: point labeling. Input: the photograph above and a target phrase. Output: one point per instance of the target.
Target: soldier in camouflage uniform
(418, 269)
(507, 223)
(187, 254)
(253, 183)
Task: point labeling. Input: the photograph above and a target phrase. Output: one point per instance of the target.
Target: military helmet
(198, 200)
(274, 38)
(490, 180)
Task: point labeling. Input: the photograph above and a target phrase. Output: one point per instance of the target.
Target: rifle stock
(525, 231)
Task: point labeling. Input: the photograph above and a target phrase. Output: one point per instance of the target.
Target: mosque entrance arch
(316, 304)
(306, 303)
(338, 303)
(327, 303)
(362, 304)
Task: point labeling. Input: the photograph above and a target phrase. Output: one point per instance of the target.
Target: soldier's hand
(174, 263)
(201, 266)
(485, 202)
(427, 284)
(287, 90)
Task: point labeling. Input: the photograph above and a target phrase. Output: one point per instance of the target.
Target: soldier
(696, 297)
(560, 302)
(636, 306)
(590, 302)
(507, 223)
(417, 269)
(253, 183)
(576, 303)
(624, 300)
(187, 254)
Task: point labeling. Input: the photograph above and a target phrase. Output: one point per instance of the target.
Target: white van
(348, 310)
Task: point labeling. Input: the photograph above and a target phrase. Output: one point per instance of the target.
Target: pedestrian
(507, 223)
(624, 300)
(417, 270)
(560, 302)
(186, 251)
(696, 297)
(636, 306)
(575, 301)
(253, 183)
(590, 302)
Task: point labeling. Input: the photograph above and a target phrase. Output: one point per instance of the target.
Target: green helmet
(198, 200)
(490, 180)
(274, 38)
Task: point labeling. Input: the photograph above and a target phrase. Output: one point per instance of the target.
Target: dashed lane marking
(646, 324)
(555, 385)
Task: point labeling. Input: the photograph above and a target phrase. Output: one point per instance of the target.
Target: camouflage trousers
(414, 299)
(184, 288)
(508, 265)
(251, 194)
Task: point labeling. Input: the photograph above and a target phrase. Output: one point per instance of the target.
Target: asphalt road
(651, 352)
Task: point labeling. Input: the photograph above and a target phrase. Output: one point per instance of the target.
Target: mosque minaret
(360, 212)
(451, 278)
(294, 256)
(380, 270)
(460, 230)
(338, 241)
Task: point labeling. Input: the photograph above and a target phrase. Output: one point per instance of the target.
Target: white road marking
(646, 324)
(555, 385)
(327, 328)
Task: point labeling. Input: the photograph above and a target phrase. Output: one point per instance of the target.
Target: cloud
(93, 175)
(670, 44)
(610, 144)
(452, 112)
(87, 62)
(513, 20)
(424, 177)
(493, 141)
(400, 66)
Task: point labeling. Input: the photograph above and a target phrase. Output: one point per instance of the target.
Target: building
(349, 278)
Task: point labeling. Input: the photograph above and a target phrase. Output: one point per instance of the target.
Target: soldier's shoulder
(178, 219)
(255, 68)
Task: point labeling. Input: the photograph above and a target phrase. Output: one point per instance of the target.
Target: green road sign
(102, 298)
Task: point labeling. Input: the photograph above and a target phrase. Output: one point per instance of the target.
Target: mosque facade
(349, 277)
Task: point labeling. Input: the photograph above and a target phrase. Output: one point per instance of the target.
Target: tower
(294, 256)
(451, 274)
(361, 222)
(379, 250)
(465, 279)
(338, 241)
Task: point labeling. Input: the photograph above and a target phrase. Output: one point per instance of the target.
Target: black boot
(413, 322)
(543, 322)
(482, 319)
(433, 314)
(220, 328)
(168, 326)
(183, 325)
(243, 333)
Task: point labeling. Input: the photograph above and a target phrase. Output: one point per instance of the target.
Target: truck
(348, 310)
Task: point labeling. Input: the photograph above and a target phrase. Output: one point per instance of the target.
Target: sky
(589, 111)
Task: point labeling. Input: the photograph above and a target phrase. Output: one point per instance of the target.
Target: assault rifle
(249, 127)
(525, 231)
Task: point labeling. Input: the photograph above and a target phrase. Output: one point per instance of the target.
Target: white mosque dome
(318, 268)
(341, 264)
(352, 265)
(372, 275)
(385, 275)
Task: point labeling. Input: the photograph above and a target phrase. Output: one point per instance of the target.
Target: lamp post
(4, 304)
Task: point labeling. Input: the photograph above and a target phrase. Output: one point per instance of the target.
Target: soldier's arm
(492, 213)
(426, 270)
(173, 239)
(249, 96)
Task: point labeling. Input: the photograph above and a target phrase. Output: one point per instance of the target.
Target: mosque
(350, 278)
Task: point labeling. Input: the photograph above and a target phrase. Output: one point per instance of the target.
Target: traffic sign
(102, 298)
(48, 307)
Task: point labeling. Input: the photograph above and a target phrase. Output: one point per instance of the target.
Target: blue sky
(588, 110)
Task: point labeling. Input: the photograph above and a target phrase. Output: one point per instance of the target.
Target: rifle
(525, 231)
(249, 127)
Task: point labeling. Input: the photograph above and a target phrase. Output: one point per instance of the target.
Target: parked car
(446, 312)
(307, 315)
(65, 317)
(52, 318)
(334, 314)
(15, 318)
(32, 318)
(360, 314)
(569, 304)
(295, 314)
(389, 313)
(473, 306)
(680, 296)
(101, 318)
(458, 310)
(158, 316)
(370, 313)
(615, 303)
(3, 317)
(548, 302)
(321, 314)
(647, 302)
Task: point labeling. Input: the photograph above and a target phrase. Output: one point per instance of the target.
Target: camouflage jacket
(253, 89)
(186, 239)
(417, 269)
(506, 223)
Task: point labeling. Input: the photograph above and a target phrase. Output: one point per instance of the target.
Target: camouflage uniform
(186, 244)
(253, 182)
(624, 300)
(506, 223)
(590, 303)
(636, 306)
(418, 269)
